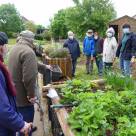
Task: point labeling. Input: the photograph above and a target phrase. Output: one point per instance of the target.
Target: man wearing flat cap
(23, 66)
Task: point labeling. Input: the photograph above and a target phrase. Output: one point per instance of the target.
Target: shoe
(34, 128)
(73, 75)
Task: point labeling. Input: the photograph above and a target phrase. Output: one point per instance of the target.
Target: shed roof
(121, 18)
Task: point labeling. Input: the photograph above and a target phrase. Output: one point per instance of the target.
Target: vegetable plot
(107, 112)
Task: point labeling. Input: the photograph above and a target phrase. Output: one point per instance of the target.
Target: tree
(29, 25)
(40, 29)
(58, 25)
(10, 20)
(94, 14)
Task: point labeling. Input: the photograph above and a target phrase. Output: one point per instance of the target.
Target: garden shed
(118, 23)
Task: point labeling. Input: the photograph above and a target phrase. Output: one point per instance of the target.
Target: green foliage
(94, 14)
(39, 37)
(86, 14)
(56, 51)
(10, 20)
(29, 25)
(47, 35)
(59, 53)
(75, 90)
(105, 113)
(58, 25)
(119, 82)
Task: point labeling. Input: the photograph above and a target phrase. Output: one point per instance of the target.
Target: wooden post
(62, 117)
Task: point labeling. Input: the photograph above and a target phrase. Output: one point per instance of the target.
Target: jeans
(89, 64)
(74, 63)
(122, 65)
(125, 66)
(28, 115)
(99, 64)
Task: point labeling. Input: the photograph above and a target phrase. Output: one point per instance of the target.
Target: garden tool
(58, 106)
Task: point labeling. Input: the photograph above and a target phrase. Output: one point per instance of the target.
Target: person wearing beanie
(10, 120)
(126, 50)
(109, 49)
(73, 46)
(88, 50)
(24, 67)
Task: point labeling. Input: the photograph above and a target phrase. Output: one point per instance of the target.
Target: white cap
(70, 33)
(111, 30)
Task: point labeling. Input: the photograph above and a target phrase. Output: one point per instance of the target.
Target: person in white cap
(73, 46)
(109, 48)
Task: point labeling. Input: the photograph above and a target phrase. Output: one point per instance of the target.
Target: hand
(27, 128)
(32, 100)
(133, 59)
(92, 58)
(49, 67)
(114, 60)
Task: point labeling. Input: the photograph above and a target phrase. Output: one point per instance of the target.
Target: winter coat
(73, 46)
(109, 49)
(130, 48)
(88, 46)
(24, 69)
(98, 48)
(10, 120)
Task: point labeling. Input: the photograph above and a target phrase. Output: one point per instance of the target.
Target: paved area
(38, 123)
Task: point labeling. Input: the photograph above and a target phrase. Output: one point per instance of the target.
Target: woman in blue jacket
(10, 120)
(88, 50)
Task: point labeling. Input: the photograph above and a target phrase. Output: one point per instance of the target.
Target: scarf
(8, 79)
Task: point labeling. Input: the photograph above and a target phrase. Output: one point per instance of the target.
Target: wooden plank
(45, 88)
(62, 117)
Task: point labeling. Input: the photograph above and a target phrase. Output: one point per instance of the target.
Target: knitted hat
(27, 34)
(3, 38)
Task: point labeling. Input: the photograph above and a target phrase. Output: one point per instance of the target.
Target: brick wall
(120, 22)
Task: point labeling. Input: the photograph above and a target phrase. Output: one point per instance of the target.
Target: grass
(12, 41)
(81, 70)
(81, 67)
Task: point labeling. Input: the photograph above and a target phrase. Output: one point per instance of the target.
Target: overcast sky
(40, 11)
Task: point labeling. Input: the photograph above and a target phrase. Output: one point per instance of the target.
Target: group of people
(18, 81)
(104, 51)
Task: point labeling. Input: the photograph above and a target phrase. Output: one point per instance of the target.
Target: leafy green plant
(59, 53)
(76, 89)
(119, 82)
(105, 114)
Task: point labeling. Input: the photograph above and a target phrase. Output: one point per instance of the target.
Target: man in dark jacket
(88, 50)
(98, 50)
(126, 50)
(73, 45)
(10, 120)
